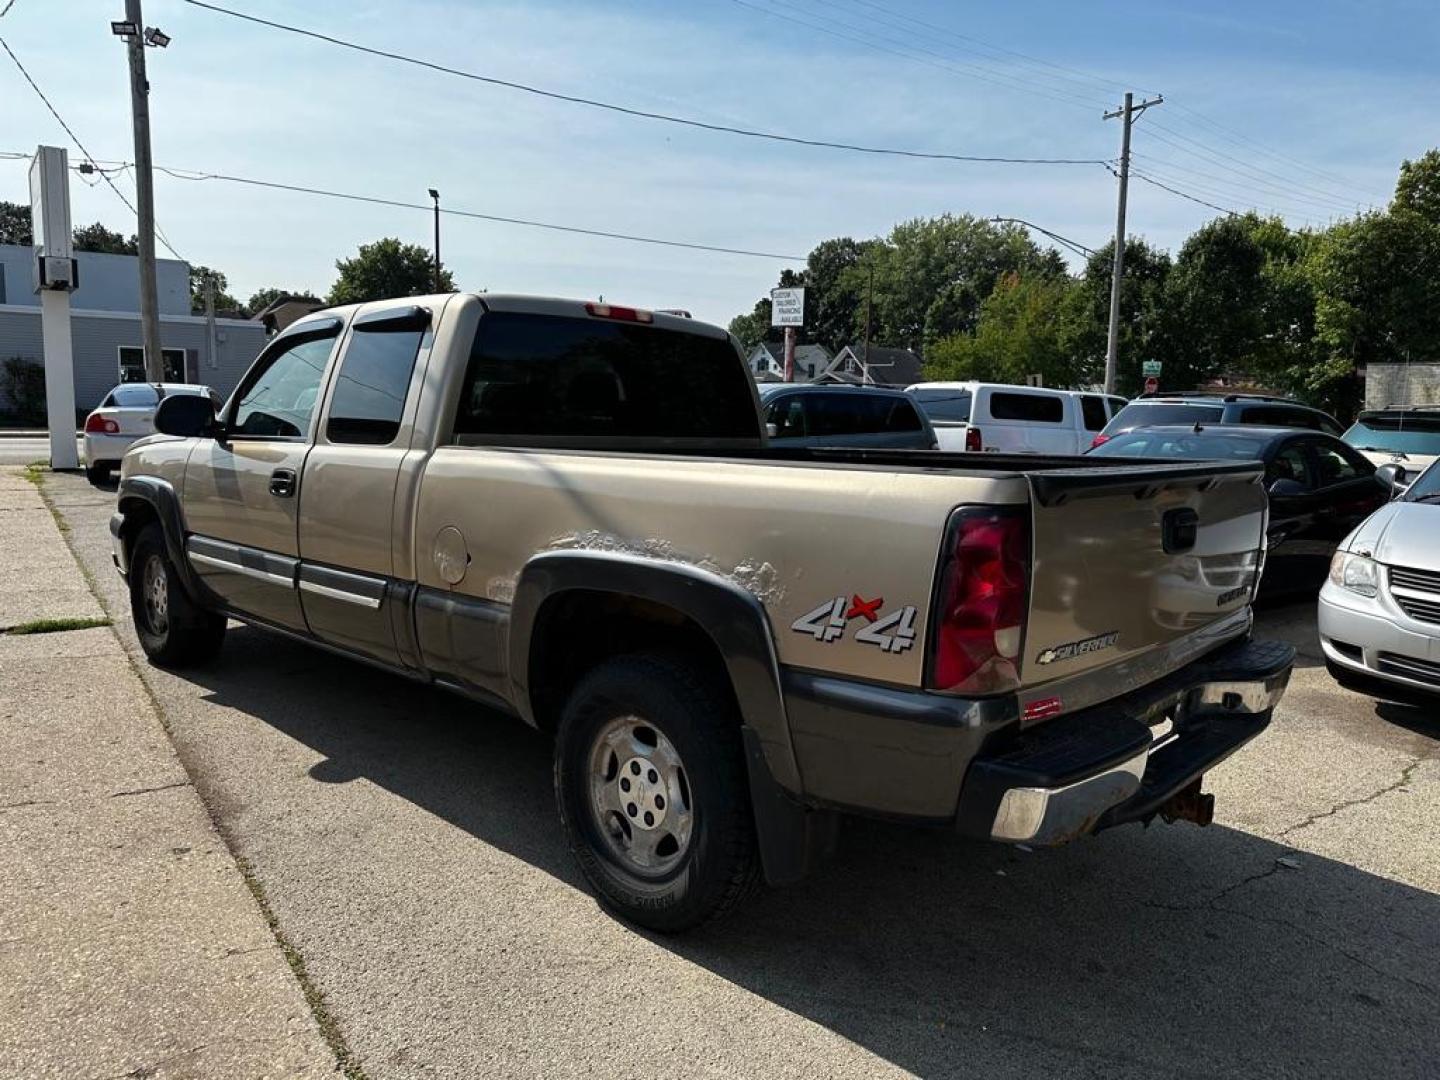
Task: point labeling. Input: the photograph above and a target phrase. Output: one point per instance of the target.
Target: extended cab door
(242, 490)
(348, 520)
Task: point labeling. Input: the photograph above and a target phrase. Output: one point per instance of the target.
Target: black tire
(99, 472)
(718, 866)
(173, 630)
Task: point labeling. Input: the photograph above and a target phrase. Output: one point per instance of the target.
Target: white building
(767, 360)
(105, 325)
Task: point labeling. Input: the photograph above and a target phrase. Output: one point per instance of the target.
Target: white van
(1014, 419)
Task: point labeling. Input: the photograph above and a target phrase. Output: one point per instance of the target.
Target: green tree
(260, 299)
(385, 269)
(834, 293)
(223, 300)
(1023, 329)
(753, 328)
(1418, 189)
(97, 237)
(1375, 278)
(1142, 323)
(15, 224)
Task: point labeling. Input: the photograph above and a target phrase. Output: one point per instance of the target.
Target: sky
(1305, 109)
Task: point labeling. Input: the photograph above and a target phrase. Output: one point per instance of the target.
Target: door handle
(282, 483)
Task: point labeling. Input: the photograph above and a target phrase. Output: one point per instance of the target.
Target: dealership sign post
(55, 278)
(787, 309)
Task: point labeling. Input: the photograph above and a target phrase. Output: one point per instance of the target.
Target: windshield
(1151, 413)
(1426, 486)
(944, 404)
(1407, 435)
(1185, 445)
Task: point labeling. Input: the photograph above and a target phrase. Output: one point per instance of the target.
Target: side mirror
(187, 415)
(1284, 486)
(1393, 478)
(771, 430)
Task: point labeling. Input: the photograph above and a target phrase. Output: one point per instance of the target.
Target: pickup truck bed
(731, 641)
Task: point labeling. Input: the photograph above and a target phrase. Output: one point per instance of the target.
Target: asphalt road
(25, 451)
(409, 846)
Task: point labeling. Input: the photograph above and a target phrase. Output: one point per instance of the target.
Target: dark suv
(1215, 408)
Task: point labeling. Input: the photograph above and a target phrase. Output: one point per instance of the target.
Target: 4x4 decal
(893, 633)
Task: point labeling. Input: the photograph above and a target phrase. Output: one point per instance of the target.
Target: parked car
(1380, 608)
(1213, 409)
(1319, 489)
(125, 414)
(1403, 435)
(568, 511)
(798, 414)
(1013, 419)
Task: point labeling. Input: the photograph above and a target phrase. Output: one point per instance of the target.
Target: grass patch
(314, 997)
(35, 472)
(55, 626)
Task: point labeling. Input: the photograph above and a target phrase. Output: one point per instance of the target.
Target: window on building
(132, 364)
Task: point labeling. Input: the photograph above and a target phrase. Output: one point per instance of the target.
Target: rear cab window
(1030, 408)
(539, 379)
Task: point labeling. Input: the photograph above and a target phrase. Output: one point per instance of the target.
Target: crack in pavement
(150, 790)
(1406, 775)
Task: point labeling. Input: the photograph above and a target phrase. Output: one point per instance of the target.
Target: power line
(89, 158)
(1074, 245)
(988, 75)
(6, 10)
(626, 110)
(1220, 188)
(1176, 191)
(300, 189)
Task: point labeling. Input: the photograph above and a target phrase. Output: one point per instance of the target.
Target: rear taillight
(1099, 440)
(984, 586)
(972, 439)
(624, 314)
(95, 424)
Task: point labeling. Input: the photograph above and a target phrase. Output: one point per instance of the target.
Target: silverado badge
(1072, 649)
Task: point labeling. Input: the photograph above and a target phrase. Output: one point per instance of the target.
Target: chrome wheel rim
(155, 589)
(640, 796)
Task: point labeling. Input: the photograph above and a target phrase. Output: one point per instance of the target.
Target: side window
(370, 386)
(1280, 416)
(1332, 466)
(1033, 408)
(1116, 404)
(280, 395)
(903, 416)
(1092, 409)
(788, 416)
(1291, 464)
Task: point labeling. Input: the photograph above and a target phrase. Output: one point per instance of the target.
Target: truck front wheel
(173, 630)
(650, 779)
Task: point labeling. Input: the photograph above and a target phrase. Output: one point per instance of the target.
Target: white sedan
(127, 414)
(1380, 609)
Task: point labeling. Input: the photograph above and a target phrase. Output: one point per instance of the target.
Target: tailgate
(1127, 560)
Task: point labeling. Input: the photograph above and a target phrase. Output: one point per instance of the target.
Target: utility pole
(145, 192)
(1129, 112)
(865, 361)
(435, 197)
(212, 343)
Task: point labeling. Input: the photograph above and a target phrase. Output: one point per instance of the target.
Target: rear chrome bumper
(1126, 759)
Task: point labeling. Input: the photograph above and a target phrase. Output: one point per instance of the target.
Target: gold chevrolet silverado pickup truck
(568, 512)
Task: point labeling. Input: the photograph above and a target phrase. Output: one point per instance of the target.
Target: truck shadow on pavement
(1172, 951)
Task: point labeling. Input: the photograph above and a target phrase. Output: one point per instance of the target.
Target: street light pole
(435, 196)
(145, 194)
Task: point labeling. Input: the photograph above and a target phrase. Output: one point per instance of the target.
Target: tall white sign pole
(55, 277)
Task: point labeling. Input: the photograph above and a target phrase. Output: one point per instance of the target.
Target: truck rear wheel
(173, 630)
(650, 780)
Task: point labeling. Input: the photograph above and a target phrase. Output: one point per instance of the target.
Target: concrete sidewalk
(130, 944)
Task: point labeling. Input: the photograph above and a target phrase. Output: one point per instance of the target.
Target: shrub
(22, 385)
